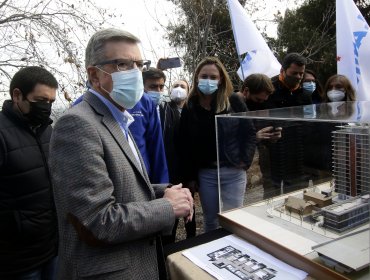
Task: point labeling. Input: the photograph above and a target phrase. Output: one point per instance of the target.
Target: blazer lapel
(145, 174)
(113, 127)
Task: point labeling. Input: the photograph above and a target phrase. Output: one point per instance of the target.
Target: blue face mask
(155, 96)
(207, 86)
(128, 87)
(309, 86)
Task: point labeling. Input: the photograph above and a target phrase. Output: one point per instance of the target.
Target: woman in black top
(211, 95)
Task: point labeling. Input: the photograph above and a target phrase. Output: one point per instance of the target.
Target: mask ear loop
(105, 73)
(19, 108)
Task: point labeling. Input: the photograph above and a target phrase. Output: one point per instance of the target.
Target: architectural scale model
(340, 216)
(317, 221)
(349, 207)
(298, 205)
(347, 214)
(320, 199)
(351, 173)
(351, 160)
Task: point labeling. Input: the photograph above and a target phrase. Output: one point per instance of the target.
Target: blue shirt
(147, 132)
(124, 119)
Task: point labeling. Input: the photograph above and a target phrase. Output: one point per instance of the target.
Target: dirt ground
(254, 193)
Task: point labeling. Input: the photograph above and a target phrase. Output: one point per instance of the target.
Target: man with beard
(281, 162)
(288, 91)
(28, 235)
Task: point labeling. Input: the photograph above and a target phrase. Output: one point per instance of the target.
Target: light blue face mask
(309, 86)
(128, 87)
(155, 96)
(207, 86)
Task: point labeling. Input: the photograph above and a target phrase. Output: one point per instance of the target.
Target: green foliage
(204, 29)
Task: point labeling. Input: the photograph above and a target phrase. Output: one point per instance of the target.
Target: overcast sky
(147, 19)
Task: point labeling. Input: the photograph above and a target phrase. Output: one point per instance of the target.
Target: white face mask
(178, 94)
(335, 95)
(334, 107)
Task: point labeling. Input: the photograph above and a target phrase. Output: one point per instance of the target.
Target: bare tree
(204, 29)
(192, 35)
(50, 34)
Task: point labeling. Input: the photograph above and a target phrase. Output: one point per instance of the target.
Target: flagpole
(235, 38)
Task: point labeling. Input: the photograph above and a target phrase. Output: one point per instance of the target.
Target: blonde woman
(211, 95)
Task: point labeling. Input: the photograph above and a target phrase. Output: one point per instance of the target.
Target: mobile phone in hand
(167, 63)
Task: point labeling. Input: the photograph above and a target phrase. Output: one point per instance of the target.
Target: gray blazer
(108, 212)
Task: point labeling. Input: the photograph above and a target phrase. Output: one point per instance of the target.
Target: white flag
(259, 57)
(353, 47)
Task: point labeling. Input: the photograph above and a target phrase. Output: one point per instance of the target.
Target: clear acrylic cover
(314, 140)
(309, 176)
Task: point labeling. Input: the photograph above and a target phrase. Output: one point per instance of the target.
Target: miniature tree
(281, 209)
(301, 211)
(269, 207)
(282, 187)
(290, 213)
(311, 185)
(332, 186)
(312, 222)
(284, 205)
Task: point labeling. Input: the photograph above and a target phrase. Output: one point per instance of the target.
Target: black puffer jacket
(28, 235)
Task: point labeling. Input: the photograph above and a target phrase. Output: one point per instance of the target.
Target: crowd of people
(94, 196)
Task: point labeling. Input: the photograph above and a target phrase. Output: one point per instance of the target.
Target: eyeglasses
(127, 64)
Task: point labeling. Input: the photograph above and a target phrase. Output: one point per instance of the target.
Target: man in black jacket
(288, 91)
(28, 235)
(285, 157)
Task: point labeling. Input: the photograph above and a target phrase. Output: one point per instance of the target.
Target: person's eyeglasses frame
(142, 65)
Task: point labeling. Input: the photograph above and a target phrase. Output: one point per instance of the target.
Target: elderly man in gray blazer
(108, 212)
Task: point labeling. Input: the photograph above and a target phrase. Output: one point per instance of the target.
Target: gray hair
(95, 51)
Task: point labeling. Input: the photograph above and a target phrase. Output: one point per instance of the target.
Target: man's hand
(269, 133)
(192, 186)
(181, 201)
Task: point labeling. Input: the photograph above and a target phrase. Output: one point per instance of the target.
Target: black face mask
(39, 113)
(291, 81)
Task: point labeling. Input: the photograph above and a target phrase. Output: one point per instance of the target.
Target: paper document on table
(233, 258)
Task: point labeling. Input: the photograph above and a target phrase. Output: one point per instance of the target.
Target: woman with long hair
(211, 95)
(339, 88)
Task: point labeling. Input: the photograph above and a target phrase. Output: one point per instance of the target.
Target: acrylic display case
(307, 187)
